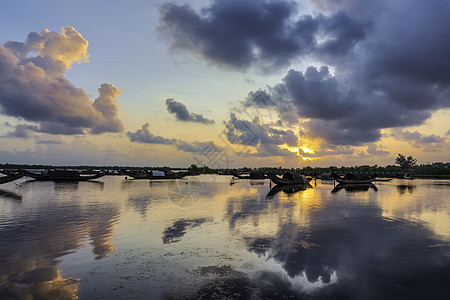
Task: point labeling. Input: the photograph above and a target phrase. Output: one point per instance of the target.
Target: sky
(224, 83)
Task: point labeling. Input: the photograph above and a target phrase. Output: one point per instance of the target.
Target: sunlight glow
(300, 150)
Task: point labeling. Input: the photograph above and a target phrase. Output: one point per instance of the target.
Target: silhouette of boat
(9, 178)
(288, 188)
(382, 179)
(351, 178)
(252, 175)
(289, 179)
(354, 187)
(156, 175)
(63, 175)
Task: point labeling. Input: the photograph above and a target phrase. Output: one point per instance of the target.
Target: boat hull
(10, 178)
(50, 177)
(354, 181)
(301, 179)
(150, 176)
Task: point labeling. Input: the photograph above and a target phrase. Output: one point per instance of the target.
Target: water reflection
(203, 239)
(175, 232)
(49, 228)
(402, 189)
(10, 195)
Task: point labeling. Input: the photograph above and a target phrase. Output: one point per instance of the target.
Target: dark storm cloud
(239, 34)
(253, 133)
(265, 138)
(383, 65)
(33, 86)
(144, 136)
(181, 112)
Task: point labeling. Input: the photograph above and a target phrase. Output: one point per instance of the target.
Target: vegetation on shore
(402, 164)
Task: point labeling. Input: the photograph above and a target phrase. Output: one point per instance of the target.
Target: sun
(307, 150)
(299, 150)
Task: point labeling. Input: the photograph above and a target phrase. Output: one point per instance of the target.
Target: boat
(354, 187)
(9, 178)
(289, 179)
(408, 176)
(156, 174)
(288, 188)
(382, 179)
(63, 175)
(405, 176)
(351, 178)
(252, 175)
(327, 176)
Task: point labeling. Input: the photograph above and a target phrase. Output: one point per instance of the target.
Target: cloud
(20, 131)
(34, 88)
(371, 66)
(240, 34)
(197, 147)
(181, 112)
(144, 136)
(264, 138)
(416, 139)
(373, 149)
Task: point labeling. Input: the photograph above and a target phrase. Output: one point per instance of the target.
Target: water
(202, 238)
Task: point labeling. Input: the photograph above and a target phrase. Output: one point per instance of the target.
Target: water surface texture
(204, 238)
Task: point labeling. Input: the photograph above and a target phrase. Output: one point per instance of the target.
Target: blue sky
(322, 82)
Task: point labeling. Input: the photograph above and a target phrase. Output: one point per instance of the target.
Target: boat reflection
(288, 189)
(10, 195)
(354, 187)
(402, 189)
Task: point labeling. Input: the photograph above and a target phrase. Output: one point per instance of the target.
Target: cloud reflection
(31, 246)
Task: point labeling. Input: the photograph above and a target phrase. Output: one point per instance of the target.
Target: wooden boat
(327, 176)
(354, 179)
(252, 175)
(63, 175)
(289, 179)
(382, 179)
(354, 187)
(288, 188)
(9, 178)
(156, 175)
(405, 176)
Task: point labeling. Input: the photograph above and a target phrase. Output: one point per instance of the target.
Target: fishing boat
(9, 178)
(156, 175)
(354, 187)
(405, 176)
(252, 175)
(63, 175)
(288, 188)
(351, 178)
(382, 179)
(289, 179)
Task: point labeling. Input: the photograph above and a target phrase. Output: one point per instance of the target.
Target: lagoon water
(204, 238)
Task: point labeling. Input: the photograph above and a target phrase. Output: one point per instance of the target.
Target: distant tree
(194, 169)
(405, 162)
